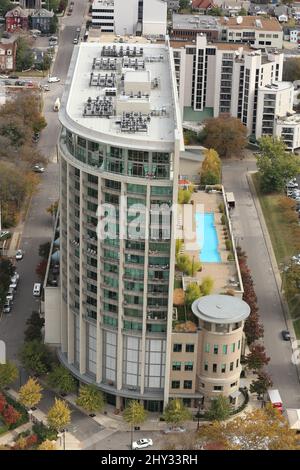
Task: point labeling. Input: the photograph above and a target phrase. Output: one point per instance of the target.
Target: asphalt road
(122, 440)
(249, 235)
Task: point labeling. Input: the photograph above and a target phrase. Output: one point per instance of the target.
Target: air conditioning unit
(174, 314)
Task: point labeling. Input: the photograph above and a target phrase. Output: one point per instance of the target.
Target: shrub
(221, 207)
(230, 257)
(44, 433)
(10, 415)
(223, 219)
(228, 245)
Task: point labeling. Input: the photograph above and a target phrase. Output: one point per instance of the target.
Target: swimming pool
(207, 238)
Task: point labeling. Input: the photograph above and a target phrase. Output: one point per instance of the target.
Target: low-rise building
(103, 15)
(16, 19)
(41, 19)
(203, 5)
(8, 50)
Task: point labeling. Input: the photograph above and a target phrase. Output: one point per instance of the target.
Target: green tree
(30, 393)
(261, 384)
(186, 265)
(59, 416)
(90, 398)
(184, 196)
(291, 70)
(243, 12)
(34, 327)
(61, 379)
(211, 168)
(8, 374)
(53, 26)
(192, 293)
(134, 414)
(215, 11)
(36, 357)
(226, 134)
(5, 6)
(206, 285)
(219, 409)
(176, 412)
(275, 164)
(24, 56)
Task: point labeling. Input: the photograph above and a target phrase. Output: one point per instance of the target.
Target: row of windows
(187, 384)
(187, 366)
(188, 347)
(222, 367)
(219, 388)
(216, 348)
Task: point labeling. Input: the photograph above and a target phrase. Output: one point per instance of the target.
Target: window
(231, 366)
(188, 384)
(216, 349)
(175, 383)
(207, 347)
(232, 347)
(177, 347)
(206, 366)
(176, 366)
(189, 348)
(214, 367)
(234, 384)
(188, 366)
(223, 368)
(237, 362)
(239, 344)
(218, 388)
(224, 349)
(202, 385)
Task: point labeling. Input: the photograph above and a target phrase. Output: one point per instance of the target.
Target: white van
(37, 289)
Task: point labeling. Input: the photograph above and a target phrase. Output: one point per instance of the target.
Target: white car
(142, 444)
(53, 79)
(15, 278)
(19, 254)
(38, 169)
(174, 429)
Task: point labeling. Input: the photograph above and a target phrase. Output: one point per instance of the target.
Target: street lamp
(30, 414)
(62, 434)
(198, 415)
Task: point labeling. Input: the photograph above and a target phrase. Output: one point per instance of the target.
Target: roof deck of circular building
(220, 309)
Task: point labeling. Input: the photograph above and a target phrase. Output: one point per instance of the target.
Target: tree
(134, 414)
(275, 164)
(207, 285)
(183, 4)
(186, 265)
(30, 393)
(176, 412)
(24, 56)
(34, 326)
(261, 384)
(184, 196)
(291, 70)
(257, 357)
(8, 374)
(59, 415)
(5, 6)
(211, 168)
(291, 281)
(41, 269)
(90, 398)
(47, 445)
(53, 26)
(262, 429)
(53, 211)
(215, 11)
(192, 293)
(225, 134)
(36, 357)
(219, 409)
(61, 379)
(243, 12)
(10, 415)
(253, 329)
(44, 250)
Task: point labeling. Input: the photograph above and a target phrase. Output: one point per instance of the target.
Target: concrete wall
(126, 16)
(155, 17)
(52, 315)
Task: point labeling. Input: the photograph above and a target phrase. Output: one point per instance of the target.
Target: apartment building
(253, 30)
(130, 17)
(8, 50)
(111, 317)
(215, 78)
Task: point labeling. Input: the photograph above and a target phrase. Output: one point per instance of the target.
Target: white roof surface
(161, 128)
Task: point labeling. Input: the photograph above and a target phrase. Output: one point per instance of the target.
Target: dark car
(35, 137)
(7, 307)
(286, 335)
(14, 77)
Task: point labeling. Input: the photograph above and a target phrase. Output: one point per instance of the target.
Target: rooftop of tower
(123, 93)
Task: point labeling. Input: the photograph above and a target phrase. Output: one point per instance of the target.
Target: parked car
(14, 77)
(142, 443)
(286, 335)
(38, 169)
(13, 285)
(46, 87)
(19, 83)
(174, 429)
(36, 137)
(7, 307)
(19, 255)
(78, 30)
(10, 295)
(75, 41)
(4, 234)
(53, 79)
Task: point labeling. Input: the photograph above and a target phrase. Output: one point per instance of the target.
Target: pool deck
(221, 272)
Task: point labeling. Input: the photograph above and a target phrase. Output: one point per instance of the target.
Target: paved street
(121, 441)
(249, 236)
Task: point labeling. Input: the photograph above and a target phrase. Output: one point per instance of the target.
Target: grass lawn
(278, 226)
(33, 73)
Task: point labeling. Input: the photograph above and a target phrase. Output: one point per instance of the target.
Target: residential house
(16, 19)
(8, 49)
(41, 20)
(203, 6)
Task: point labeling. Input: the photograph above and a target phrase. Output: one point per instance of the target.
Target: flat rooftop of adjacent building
(194, 22)
(250, 22)
(277, 86)
(222, 46)
(126, 98)
(221, 309)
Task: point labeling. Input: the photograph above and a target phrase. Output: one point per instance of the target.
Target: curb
(274, 265)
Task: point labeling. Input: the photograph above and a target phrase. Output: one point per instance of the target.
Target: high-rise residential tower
(120, 143)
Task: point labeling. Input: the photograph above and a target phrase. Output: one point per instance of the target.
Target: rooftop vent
(99, 107)
(134, 122)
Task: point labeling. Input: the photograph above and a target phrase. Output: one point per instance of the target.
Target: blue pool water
(207, 238)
